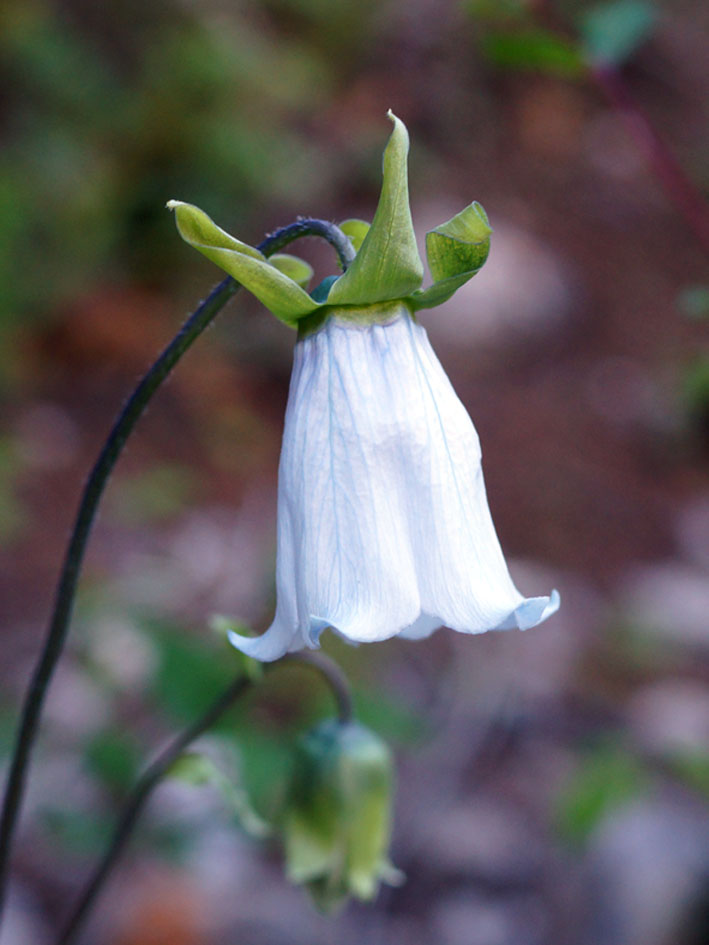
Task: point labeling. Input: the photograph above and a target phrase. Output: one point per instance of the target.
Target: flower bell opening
(383, 523)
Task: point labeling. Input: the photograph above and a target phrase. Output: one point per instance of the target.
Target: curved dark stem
(328, 231)
(326, 667)
(137, 800)
(93, 490)
(333, 676)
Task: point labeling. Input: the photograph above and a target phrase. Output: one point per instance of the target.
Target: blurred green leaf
(77, 831)
(613, 31)
(190, 673)
(695, 387)
(114, 758)
(266, 760)
(395, 721)
(606, 778)
(694, 302)
(11, 510)
(197, 769)
(693, 769)
(537, 50)
(154, 494)
(498, 10)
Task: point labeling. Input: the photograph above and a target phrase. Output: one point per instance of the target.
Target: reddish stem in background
(682, 192)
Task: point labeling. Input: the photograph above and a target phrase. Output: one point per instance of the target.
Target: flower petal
(383, 522)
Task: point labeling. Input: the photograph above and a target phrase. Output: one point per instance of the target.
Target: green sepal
(336, 824)
(388, 265)
(356, 230)
(294, 267)
(278, 292)
(456, 251)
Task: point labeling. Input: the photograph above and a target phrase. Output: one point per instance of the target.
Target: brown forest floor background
(553, 785)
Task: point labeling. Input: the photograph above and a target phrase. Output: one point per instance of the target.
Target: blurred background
(553, 785)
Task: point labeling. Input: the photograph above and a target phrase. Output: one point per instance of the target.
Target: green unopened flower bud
(338, 817)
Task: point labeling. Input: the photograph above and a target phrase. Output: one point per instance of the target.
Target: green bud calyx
(337, 821)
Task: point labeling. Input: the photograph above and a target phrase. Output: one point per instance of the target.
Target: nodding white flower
(383, 523)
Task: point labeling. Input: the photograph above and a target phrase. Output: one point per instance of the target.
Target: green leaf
(189, 673)
(154, 494)
(388, 265)
(498, 10)
(692, 767)
(197, 769)
(613, 31)
(356, 230)
(694, 302)
(294, 267)
(456, 251)
(695, 386)
(113, 757)
(538, 50)
(607, 778)
(280, 294)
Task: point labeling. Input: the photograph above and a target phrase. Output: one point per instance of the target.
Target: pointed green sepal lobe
(388, 265)
(456, 251)
(278, 292)
(356, 230)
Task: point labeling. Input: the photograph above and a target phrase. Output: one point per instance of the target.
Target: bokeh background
(552, 785)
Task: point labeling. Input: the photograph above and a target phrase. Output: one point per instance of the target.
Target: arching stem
(93, 490)
(153, 774)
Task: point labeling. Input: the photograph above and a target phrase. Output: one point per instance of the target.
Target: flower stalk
(88, 505)
(329, 671)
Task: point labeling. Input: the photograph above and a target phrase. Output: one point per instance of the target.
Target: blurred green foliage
(11, 513)
(518, 35)
(154, 494)
(100, 131)
(534, 49)
(607, 777)
(694, 302)
(695, 390)
(113, 757)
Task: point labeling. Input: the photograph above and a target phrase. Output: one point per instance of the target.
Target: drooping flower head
(383, 523)
(337, 818)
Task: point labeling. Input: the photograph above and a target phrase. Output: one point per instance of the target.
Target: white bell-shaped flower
(383, 522)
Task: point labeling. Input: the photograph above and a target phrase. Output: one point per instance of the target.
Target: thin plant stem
(93, 490)
(153, 774)
(137, 800)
